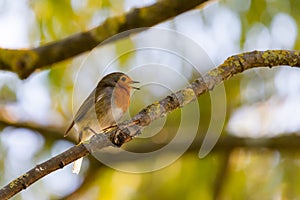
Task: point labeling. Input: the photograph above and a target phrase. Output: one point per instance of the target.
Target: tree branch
(49, 131)
(131, 128)
(25, 62)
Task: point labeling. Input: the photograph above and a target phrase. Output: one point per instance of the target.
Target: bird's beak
(133, 82)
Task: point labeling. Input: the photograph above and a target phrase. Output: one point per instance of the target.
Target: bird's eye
(123, 78)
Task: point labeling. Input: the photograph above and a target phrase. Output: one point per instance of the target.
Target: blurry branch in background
(127, 130)
(225, 146)
(221, 174)
(24, 62)
(53, 132)
(49, 131)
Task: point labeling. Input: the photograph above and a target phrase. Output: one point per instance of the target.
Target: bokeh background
(260, 103)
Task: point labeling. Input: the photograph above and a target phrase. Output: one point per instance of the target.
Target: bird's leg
(90, 129)
(80, 136)
(134, 122)
(114, 126)
(105, 130)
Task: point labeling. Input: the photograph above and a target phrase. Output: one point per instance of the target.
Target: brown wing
(69, 128)
(103, 107)
(85, 106)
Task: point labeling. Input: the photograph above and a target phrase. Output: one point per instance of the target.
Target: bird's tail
(77, 166)
(83, 136)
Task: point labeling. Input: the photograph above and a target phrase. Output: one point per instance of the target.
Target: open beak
(133, 82)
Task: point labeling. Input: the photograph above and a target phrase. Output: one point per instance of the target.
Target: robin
(107, 103)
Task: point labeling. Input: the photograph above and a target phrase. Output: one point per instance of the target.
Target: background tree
(261, 103)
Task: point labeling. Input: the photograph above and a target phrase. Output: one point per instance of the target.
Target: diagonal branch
(25, 62)
(127, 129)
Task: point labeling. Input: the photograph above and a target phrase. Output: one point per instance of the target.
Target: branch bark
(127, 130)
(25, 62)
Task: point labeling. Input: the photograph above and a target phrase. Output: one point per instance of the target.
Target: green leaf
(124, 51)
(7, 94)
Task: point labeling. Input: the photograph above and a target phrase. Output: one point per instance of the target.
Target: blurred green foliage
(7, 94)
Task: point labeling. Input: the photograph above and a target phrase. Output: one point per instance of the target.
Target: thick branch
(25, 62)
(128, 129)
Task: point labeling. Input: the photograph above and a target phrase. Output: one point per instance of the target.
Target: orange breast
(121, 98)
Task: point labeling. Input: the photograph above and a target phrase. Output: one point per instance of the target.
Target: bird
(105, 105)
